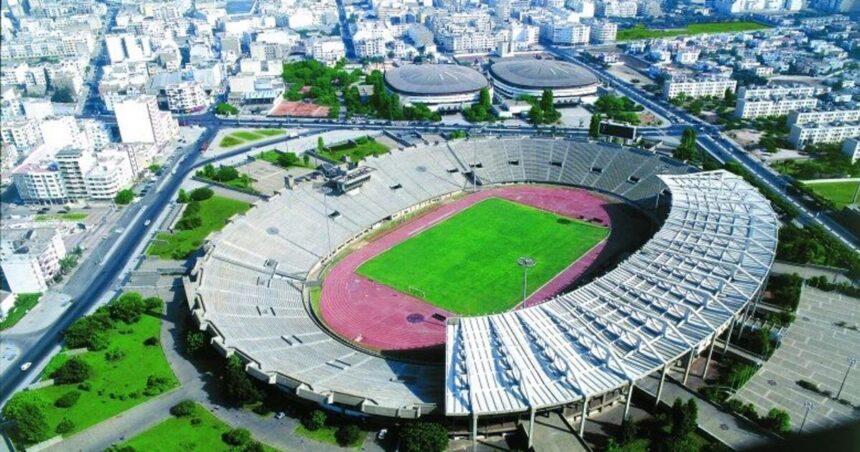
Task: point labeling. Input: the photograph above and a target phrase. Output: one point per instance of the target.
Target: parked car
(26, 366)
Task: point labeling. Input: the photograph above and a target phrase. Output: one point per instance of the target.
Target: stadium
(441, 87)
(485, 280)
(513, 78)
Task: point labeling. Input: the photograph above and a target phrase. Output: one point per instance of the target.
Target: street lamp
(526, 263)
(851, 361)
(808, 405)
(325, 192)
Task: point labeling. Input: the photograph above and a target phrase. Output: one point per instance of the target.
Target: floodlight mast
(325, 192)
(526, 263)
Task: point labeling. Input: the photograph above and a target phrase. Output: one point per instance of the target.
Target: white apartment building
(186, 97)
(111, 174)
(24, 134)
(698, 87)
(805, 134)
(328, 50)
(583, 8)
(754, 6)
(39, 182)
(32, 47)
(468, 42)
(74, 164)
(603, 31)
(98, 133)
(851, 148)
(140, 121)
(62, 131)
(128, 47)
(687, 55)
(809, 116)
(758, 107)
(30, 258)
(782, 90)
(617, 8)
(565, 33)
(370, 41)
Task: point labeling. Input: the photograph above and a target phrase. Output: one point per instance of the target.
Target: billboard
(618, 130)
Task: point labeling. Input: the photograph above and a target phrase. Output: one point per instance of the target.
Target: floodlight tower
(526, 263)
(325, 192)
(851, 361)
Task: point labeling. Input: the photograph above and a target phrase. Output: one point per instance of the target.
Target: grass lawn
(641, 32)
(214, 212)
(23, 304)
(178, 433)
(468, 263)
(115, 386)
(841, 193)
(76, 216)
(272, 155)
(357, 150)
(326, 435)
(247, 136)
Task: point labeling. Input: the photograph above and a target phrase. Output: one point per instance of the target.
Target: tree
(31, 424)
(594, 126)
(536, 115)
(67, 263)
(684, 418)
(195, 340)
(209, 171)
(189, 222)
(686, 150)
(347, 434)
(201, 194)
(237, 436)
(546, 100)
(182, 197)
(320, 144)
(153, 304)
(127, 308)
(72, 371)
(68, 399)
(778, 420)
(314, 420)
(226, 109)
(237, 384)
(124, 197)
(484, 99)
(424, 437)
(226, 174)
(729, 96)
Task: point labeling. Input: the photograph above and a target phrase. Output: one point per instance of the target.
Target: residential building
(328, 50)
(782, 90)
(603, 31)
(111, 174)
(140, 121)
(565, 32)
(851, 148)
(757, 6)
(757, 107)
(186, 97)
(707, 86)
(810, 116)
(24, 134)
(30, 258)
(805, 134)
(617, 8)
(74, 164)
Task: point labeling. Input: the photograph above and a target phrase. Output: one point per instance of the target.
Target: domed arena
(485, 278)
(513, 78)
(439, 86)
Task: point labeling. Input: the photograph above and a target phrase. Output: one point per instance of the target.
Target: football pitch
(467, 264)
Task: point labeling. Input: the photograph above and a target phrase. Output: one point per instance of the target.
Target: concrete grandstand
(438, 86)
(516, 77)
(696, 277)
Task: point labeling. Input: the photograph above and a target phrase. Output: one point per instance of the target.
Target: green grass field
(214, 212)
(178, 433)
(841, 193)
(248, 136)
(115, 386)
(360, 149)
(468, 263)
(326, 435)
(77, 216)
(23, 303)
(641, 32)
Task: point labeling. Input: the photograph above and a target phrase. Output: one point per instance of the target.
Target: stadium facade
(513, 78)
(445, 87)
(698, 276)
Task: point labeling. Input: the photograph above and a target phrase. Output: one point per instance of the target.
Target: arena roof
(430, 79)
(531, 73)
(674, 295)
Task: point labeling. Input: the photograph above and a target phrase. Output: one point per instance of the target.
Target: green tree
(127, 308)
(237, 384)
(237, 436)
(729, 96)
(226, 109)
(226, 174)
(124, 197)
(594, 126)
(200, 194)
(68, 399)
(347, 434)
(686, 150)
(778, 421)
(182, 197)
(209, 171)
(320, 144)
(484, 99)
(31, 425)
(314, 420)
(195, 340)
(546, 100)
(424, 437)
(72, 371)
(536, 115)
(684, 418)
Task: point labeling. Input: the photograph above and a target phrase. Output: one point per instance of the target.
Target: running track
(382, 318)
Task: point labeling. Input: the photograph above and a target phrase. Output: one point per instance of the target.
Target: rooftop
(424, 79)
(533, 73)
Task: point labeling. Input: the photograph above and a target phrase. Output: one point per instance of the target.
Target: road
(103, 273)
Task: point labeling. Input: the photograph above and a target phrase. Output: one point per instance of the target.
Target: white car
(381, 434)
(26, 366)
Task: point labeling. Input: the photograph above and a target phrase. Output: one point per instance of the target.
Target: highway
(102, 273)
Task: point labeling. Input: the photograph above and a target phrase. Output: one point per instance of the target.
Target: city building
(39, 182)
(851, 148)
(140, 121)
(757, 107)
(603, 31)
(802, 135)
(810, 116)
(30, 258)
(698, 87)
(513, 78)
(565, 32)
(617, 8)
(327, 50)
(74, 164)
(186, 97)
(438, 86)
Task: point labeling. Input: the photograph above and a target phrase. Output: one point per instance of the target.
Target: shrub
(193, 208)
(195, 340)
(236, 437)
(154, 304)
(201, 194)
(195, 421)
(85, 386)
(124, 197)
(68, 399)
(314, 420)
(808, 385)
(127, 308)
(156, 385)
(188, 223)
(72, 371)
(777, 420)
(114, 355)
(347, 434)
(65, 426)
(238, 385)
(183, 408)
(30, 422)
(182, 197)
(424, 437)
(88, 331)
(151, 341)
(253, 446)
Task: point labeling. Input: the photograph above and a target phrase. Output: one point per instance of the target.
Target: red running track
(382, 318)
